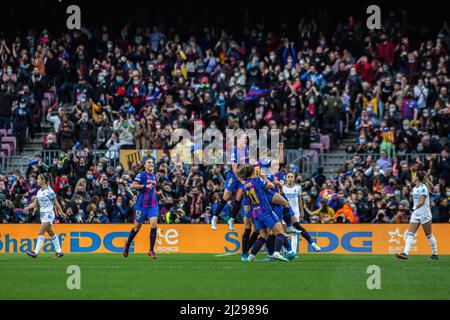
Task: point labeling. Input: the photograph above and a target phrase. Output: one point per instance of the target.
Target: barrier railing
(14, 163)
(307, 162)
(334, 161)
(112, 155)
(20, 163)
(304, 162)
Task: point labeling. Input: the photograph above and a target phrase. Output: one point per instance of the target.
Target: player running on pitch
(421, 216)
(146, 207)
(46, 199)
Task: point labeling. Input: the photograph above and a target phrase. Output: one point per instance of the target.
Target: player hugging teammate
(271, 214)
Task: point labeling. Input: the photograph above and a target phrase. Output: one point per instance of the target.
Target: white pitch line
(224, 255)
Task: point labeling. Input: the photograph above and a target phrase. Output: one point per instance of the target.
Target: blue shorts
(232, 183)
(265, 221)
(246, 211)
(142, 214)
(278, 210)
(269, 194)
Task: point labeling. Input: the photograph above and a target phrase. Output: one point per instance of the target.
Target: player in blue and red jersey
(280, 202)
(239, 157)
(146, 207)
(264, 219)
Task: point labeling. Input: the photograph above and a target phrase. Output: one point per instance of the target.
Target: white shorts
(421, 217)
(47, 217)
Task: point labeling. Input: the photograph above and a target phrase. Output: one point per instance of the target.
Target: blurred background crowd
(130, 87)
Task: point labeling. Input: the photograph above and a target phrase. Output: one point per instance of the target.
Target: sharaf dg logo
(397, 241)
(352, 242)
(166, 241)
(10, 244)
(86, 241)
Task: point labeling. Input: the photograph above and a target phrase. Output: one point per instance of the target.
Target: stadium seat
(49, 96)
(325, 141)
(3, 133)
(317, 146)
(6, 147)
(10, 140)
(45, 104)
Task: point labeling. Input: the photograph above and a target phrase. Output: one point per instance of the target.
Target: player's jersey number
(251, 194)
(138, 214)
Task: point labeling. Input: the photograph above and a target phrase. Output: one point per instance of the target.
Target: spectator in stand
(134, 88)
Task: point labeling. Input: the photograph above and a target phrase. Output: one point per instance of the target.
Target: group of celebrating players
(270, 207)
(270, 202)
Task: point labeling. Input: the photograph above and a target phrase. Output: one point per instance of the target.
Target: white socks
(410, 238)
(433, 243)
(39, 243)
(409, 241)
(294, 242)
(55, 241)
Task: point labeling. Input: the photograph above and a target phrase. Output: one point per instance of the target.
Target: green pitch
(206, 276)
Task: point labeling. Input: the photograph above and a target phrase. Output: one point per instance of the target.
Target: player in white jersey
(46, 200)
(421, 216)
(293, 193)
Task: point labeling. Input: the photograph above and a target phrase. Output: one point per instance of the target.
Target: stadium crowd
(133, 89)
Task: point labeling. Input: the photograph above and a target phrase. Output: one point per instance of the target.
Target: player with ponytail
(47, 202)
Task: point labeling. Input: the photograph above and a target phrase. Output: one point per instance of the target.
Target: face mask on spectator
(397, 193)
(101, 207)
